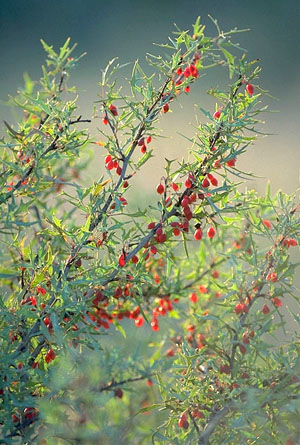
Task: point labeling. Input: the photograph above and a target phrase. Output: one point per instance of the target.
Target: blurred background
(128, 28)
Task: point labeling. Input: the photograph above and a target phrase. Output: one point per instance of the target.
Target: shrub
(113, 307)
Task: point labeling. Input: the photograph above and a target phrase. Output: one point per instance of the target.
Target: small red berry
(187, 89)
(160, 189)
(211, 232)
(267, 223)
(105, 121)
(113, 109)
(187, 72)
(217, 114)
(231, 162)
(193, 297)
(166, 108)
(135, 259)
(250, 89)
(265, 309)
(122, 260)
(198, 234)
(139, 321)
(119, 393)
(149, 139)
(205, 183)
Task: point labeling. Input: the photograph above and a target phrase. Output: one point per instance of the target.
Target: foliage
(109, 312)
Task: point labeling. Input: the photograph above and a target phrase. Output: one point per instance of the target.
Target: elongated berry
(160, 189)
(217, 114)
(211, 232)
(250, 89)
(198, 234)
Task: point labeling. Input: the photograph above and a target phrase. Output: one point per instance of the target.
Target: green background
(127, 29)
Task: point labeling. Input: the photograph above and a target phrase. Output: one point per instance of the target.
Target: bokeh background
(127, 29)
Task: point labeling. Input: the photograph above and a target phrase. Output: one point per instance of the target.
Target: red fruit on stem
(267, 223)
(205, 183)
(105, 121)
(139, 321)
(118, 393)
(193, 297)
(160, 189)
(217, 114)
(187, 89)
(135, 259)
(113, 109)
(231, 162)
(187, 72)
(211, 232)
(265, 309)
(198, 234)
(166, 108)
(122, 260)
(250, 89)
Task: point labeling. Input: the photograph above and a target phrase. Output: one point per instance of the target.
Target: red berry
(141, 142)
(160, 189)
(175, 187)
(277, 302)
(267, 223)
(143, 149)
(238, 308)
(193, 297)
(122, 260)
(113, 109)
(105, 121)
(151, 225)
(179, 71)
(166, 108)
(194, 71)
(149, 139)
(187, 89)
(110, 165)
(242, 349)
(211, 232)
(217, 114)
(170, 352)
(205, 183)
(188, 183)
(202, 289)
(265, 309)
(231, 162)
(41, 290)
(198, 234)
(149, 383)
(187, 72)
(135, 259)
(212, 179)
(118, 393)
(153, 250)
(15, 418)
(139, 321)
(125, 184)
(154, 324)
(176, 232)
(250, 89)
